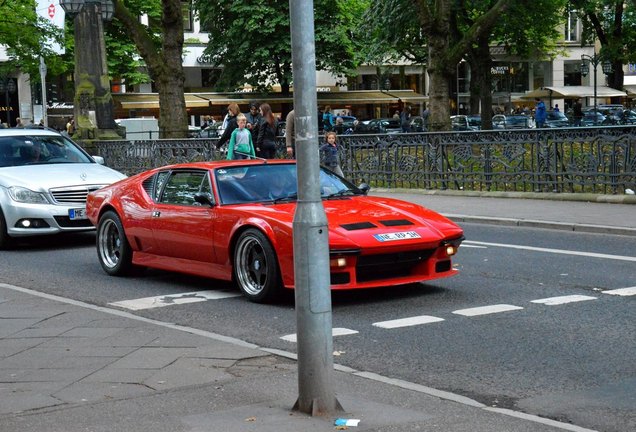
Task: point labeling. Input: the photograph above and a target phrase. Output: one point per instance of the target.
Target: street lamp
(7, 86)
(594, 60)
(457, 83)
(93, 102)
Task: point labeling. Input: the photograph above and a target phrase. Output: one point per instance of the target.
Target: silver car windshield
(39, 149)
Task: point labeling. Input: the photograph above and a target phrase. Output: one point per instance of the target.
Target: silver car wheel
(109, 246)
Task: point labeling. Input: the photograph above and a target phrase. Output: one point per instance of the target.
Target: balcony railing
(593, 160)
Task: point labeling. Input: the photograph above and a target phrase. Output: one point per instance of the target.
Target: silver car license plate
(77, 214)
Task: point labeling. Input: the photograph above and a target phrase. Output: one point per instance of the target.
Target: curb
(528, 223)
(551, 196)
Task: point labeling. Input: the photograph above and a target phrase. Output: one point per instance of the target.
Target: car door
(182, 227)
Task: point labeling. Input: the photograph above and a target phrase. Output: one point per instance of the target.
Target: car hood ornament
(83, 176)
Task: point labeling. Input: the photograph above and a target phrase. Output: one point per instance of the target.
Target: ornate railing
(595, 160)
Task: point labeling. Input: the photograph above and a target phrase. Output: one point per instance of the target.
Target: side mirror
(204, 198)
(364, 187)
(98, 159)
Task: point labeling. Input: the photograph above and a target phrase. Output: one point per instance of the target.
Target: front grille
(387, 266)
(66, 222)
(73, 194)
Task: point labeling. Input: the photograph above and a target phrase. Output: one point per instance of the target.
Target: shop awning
(201, 100)
(631, 90)
(571, 92)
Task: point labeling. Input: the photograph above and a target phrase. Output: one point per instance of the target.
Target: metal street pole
(316, 394)
(43, 82)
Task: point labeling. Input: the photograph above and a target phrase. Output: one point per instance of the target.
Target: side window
(181, 186)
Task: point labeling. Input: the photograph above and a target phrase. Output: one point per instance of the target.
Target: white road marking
(173, 299)
(630, 291)
(464, 245)
(485, 310)
(556, 251)
(407, 322)
(553, 301)
(338, 331)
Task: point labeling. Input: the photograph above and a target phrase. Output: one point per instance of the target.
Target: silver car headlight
(24, 195)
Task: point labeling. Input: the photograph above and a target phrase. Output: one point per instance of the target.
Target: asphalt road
(571, 361)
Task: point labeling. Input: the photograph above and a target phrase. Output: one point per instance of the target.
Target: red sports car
(232, 220)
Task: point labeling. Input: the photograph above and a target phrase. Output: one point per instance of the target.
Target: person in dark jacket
(266, 142)
(329, 153)
(233, 111)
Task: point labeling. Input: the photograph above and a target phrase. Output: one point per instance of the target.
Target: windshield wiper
(340, 193)
(289, 197)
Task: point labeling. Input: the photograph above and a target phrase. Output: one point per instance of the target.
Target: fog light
(451, 250)
(338, 262)
(26, 223)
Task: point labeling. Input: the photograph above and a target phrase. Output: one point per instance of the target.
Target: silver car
(44, 180)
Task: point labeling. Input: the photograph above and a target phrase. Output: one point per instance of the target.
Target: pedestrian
(540, 113)
(556, 108)
(241, 145)
(70, 126)
(329, 153)
(327, 119)
(577, 112)
(290, 134)
(405, 119)
(339, 128)
(396, 115)
(19, 123)
(266, 142)
(233, 111)
(253, 119)
(425, 114)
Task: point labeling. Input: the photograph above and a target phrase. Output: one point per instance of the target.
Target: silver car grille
(73, 194)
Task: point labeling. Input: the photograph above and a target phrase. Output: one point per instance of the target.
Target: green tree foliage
(251, 40)
(26, 36)
(613, 23)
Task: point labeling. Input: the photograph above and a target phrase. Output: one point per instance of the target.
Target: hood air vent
(358, 226)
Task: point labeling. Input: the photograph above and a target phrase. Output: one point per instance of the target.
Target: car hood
(44, 177)
(353, 221)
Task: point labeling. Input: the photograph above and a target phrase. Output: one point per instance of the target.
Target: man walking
(540, 113)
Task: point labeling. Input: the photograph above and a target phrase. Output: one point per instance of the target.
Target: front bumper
(42, 219)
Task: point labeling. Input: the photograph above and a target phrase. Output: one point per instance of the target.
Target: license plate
(406, 235)
(77, 214)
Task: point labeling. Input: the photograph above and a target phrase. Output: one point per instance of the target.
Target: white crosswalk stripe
(174, 299)
(406, 322)
(486, 310)
(553, 301)
(630, 291)
(337, 331)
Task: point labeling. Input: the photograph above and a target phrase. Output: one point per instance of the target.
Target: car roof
(225, 163)
(28, 131)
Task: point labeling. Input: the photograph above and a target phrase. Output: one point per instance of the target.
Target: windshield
(272, 183)
(39, 149)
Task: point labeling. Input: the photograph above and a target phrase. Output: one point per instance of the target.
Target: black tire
(113, 250)
(5, 241)
(256, 267)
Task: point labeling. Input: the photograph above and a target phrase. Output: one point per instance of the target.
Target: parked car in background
(628, 117)
(379, 126)
(556, 119)
(44, 180)
(418, 124)
(593, 118)
(466, 122)
(233, 221)
(501, 121)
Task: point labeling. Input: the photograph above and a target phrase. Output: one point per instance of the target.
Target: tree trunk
(164, 65)
(173, 120)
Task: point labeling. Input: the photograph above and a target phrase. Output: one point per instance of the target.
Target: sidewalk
(67, 366)
(607, 214)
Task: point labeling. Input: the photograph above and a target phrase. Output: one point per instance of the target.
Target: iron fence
(593, 160)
